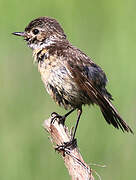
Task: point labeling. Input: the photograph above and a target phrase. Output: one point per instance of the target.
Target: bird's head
(42, 32)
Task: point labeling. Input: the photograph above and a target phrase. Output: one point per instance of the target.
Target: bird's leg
(73, 142)
(61, 118)
(79, 112)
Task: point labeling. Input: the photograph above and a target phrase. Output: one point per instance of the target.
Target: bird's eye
(35, 31)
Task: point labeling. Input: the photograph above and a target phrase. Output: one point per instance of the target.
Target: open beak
(23, 34)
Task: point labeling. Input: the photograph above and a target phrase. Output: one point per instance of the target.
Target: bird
(70, 77)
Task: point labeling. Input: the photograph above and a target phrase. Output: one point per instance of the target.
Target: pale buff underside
(54, 72)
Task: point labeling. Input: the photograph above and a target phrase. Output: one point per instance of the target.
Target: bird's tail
(112, 116)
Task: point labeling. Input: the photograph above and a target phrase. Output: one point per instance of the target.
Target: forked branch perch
(73, 160)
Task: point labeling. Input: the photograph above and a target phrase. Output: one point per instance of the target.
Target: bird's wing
(109, 112)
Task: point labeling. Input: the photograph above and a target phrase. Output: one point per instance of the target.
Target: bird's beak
(23, 34)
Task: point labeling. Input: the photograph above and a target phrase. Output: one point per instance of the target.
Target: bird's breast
(59, 82)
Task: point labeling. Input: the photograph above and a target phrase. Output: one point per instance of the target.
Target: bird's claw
(70, 145)
(54, 116)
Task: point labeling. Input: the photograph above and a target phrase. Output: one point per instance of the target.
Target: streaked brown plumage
(70, 76)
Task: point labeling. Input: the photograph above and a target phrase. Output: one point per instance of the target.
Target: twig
(73, 160)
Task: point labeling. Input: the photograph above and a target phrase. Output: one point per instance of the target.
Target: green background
(106, 31)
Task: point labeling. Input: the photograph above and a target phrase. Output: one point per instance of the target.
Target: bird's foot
(61, 119)
(70, 145)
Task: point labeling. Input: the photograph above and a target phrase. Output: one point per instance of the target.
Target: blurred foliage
(106, 31)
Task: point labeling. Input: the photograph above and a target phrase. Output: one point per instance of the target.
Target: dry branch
(73, 160)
